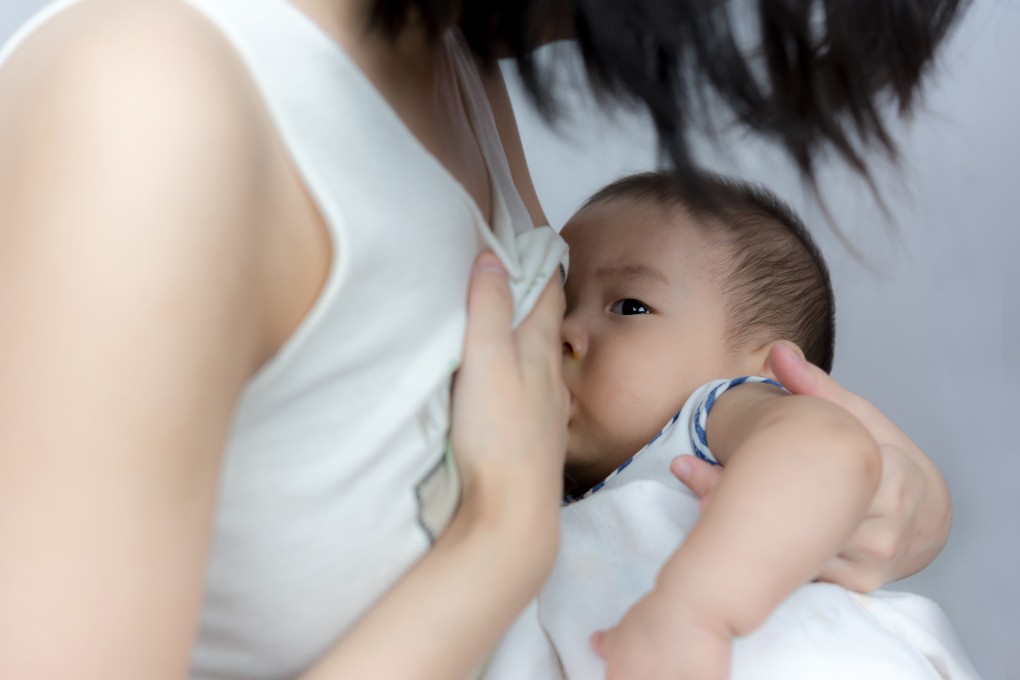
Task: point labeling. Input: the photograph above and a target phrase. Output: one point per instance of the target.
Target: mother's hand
(908, 521)
(509, 437)
(510, 410)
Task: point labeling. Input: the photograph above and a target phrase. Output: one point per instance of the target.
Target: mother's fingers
(909, 516)
(490, 310)
(538, 337)
(872, 555)
(868, 561)
(848, 573)
(802, 377)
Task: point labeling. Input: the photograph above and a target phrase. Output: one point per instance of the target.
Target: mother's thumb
(490, 304)
(795, 373)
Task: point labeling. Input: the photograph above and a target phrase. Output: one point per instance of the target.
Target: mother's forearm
(447, 614)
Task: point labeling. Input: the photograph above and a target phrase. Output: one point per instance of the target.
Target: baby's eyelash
(634, 306)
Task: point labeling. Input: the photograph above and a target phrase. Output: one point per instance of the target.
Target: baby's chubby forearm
(800, 473)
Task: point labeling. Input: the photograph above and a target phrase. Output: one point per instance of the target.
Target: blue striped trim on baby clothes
(573, 498)
(699, 441)
(698, 437)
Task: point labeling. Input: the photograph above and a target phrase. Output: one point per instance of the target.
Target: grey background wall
(929, 324)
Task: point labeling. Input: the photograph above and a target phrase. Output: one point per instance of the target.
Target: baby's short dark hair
(775, 282)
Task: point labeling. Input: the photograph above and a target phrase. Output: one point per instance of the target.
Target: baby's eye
(629, 306)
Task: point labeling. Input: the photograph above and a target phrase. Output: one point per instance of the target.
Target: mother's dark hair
(819, 78)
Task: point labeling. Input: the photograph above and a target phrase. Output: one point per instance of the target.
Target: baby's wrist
(704, 630)
(693, 607)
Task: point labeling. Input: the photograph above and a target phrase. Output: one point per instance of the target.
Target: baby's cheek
(619, 409)
(635, 422)
(627, 394)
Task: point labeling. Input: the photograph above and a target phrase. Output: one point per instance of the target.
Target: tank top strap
(483, 122)
(532, 252)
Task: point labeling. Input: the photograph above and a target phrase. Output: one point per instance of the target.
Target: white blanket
(615, 541)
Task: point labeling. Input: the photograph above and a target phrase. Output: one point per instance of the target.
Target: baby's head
(665, 294)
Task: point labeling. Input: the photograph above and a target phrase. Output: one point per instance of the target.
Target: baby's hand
(661, 638)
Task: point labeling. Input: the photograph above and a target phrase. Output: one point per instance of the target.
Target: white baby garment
(615, 540)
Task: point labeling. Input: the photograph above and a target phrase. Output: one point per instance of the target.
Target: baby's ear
(761, 357)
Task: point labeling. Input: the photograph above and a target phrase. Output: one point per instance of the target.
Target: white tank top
(336, 479)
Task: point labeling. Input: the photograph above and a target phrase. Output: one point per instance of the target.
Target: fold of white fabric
(539, 254)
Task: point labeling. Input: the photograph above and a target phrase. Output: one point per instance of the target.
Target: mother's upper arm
(129, 180)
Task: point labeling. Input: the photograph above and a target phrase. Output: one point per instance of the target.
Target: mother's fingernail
(793, 354)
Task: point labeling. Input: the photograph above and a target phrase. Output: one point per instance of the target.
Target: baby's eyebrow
(632, 271)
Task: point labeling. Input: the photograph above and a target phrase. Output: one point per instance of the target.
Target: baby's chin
(585, 447)
(576, 448)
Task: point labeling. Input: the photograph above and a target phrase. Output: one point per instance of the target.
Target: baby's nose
(574, 343)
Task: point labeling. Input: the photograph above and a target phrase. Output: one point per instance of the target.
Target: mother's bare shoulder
(137, 75)
(138, 109)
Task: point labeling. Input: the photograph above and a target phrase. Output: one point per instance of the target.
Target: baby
(673, 309)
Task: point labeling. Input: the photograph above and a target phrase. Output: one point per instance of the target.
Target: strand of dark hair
(819, 77)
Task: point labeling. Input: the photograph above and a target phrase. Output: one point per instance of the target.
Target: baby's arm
(800, 474)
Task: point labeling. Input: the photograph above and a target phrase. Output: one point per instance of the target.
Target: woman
(215, 454)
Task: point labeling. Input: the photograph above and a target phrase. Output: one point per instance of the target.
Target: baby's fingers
(699, 476)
